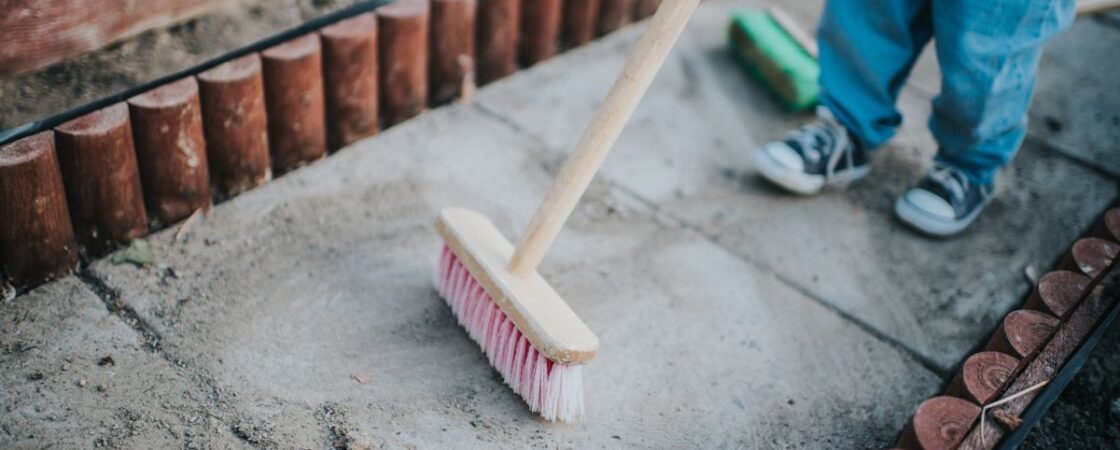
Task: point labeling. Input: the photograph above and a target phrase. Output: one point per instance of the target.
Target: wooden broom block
(581, 18)
(1057, 293)
(1091, 256)
(983, 376)
(452, 57)
(98, 162)
(614, 14)
(350, 79)
(293, 89)
(36, 239)
(234, 121)
(403, 51)
(940, 423)
(645, 8)
(529, 301)
(171, 151)
(499, 25)
(1022, 333)
(540, 30)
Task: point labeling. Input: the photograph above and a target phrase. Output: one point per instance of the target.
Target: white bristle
(552, 389)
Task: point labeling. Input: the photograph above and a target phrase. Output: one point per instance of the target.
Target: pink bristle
(553, 390)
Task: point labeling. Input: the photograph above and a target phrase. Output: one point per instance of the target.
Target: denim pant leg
(867, 48)
(988, 51)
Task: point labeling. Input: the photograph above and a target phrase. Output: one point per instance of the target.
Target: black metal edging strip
(1049, 394)
(27, 129)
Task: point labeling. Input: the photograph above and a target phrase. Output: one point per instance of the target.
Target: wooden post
(1058, 293)
(581, 19)
(540, 30)
(1070, 335)
(645, 8)
(1022, 333)
(171, 151)
(403, 49)
(499, 26)
(98, 162)
(293, 89)
(614, 14)
(453, 48)
(983, 376)
(350, 71)
(36, 239)
(940, 423)
(236, 126)
(1091, 256)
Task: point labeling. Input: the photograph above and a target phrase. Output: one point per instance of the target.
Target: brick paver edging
(82, 183)
(1028, 350)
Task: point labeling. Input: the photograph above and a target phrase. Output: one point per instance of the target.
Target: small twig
(984, 410)
(186, 224)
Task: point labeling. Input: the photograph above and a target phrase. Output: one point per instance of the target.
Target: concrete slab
(288, 293)
(687, 151)
(59, 391)
(1074, 108)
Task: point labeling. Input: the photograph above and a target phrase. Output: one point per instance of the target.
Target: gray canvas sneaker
(945, 202)
(817, 155)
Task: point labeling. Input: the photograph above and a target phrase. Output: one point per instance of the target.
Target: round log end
(26, 149)
(295, 49)
(1058, 292)
(982, 377)
(1112, 224)
(939, 423)
(97, 123)
(1023, 332)
(240, 69)
(1093, 256)
(171, 95)
(403, 10)
(359, 27)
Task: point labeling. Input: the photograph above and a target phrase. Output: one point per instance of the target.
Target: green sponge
(769, 53)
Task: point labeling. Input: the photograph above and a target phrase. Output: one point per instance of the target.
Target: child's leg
(867, 48)
(988, 51)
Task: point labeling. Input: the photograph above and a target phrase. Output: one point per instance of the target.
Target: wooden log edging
(1032, 345)
(235, 124)
(403, 48)
(293, 91)
(98, 161)
(37, 239)
(350, 80)
(452, 58)
(171, 151)
(152, 155)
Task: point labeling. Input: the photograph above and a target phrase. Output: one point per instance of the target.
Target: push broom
(534, 340)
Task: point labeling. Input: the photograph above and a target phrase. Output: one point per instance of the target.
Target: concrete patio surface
(301, 314)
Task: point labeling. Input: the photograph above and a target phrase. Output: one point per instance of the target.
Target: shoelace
(951, 178)
(812, 141)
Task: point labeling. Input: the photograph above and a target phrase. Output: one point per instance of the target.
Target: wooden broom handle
(601, 134)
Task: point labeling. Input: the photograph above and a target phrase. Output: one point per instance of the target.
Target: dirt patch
(56, 88)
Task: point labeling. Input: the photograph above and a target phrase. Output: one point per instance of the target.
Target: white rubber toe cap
(930, 204)
(783, 155)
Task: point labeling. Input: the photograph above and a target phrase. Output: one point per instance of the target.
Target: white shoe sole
(800, 182)
(922, 221)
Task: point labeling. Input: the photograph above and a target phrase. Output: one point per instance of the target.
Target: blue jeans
(988, 51)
